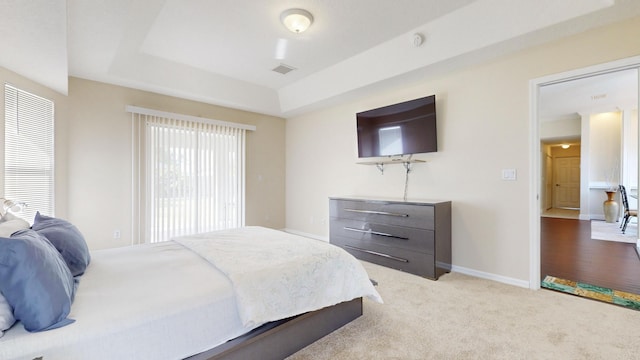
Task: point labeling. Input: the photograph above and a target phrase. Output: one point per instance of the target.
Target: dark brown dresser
(411, 236)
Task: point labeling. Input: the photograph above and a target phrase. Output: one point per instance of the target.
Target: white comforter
(276, 275)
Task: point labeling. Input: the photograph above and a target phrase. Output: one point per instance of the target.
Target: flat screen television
(399, 129)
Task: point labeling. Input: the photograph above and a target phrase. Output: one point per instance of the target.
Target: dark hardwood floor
(567, 251)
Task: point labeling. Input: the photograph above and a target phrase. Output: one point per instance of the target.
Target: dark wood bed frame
(279, 339)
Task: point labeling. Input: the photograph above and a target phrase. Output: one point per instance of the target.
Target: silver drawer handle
(376, 212)
(377, 254)
(375, 233)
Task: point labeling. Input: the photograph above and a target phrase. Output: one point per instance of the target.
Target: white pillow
(10, 223)
(6, 315)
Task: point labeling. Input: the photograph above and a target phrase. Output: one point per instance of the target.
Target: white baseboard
(454, 268)
(490, 276)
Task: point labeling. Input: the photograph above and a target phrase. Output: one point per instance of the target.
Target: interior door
(567, 182)
(548, 182)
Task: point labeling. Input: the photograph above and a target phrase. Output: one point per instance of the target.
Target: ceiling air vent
(283, 69)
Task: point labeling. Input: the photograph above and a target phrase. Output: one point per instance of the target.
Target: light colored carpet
(462, 317)
(601, 230)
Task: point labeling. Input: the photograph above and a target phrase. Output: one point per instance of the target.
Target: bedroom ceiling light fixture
(296, 20)
(565, 146)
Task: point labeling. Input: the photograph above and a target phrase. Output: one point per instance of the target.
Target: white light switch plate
(509, 174)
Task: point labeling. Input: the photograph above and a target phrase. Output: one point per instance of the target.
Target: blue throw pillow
(67, 239)
(35, 281)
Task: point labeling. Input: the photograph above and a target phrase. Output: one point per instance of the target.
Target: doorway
(560, 192)
(537, 157)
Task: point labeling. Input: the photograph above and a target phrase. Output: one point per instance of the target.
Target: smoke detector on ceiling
(417, 39)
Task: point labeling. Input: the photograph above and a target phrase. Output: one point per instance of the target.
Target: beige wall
(483, 127)
(100, 158)
(93, 156)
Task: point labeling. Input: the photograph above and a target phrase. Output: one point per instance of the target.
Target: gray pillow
(67, 239)
(35, 281)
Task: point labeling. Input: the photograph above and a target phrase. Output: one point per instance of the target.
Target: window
(29, 151)
(189, 174)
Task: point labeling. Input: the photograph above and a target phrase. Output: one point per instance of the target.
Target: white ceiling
(608, 92)
(223, 52)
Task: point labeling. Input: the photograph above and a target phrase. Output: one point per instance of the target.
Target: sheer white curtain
(189, 174)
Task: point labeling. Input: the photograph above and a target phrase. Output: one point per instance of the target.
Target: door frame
(535, 150)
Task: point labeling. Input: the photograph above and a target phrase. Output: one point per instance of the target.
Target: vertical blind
(29, 151)
(191, 176)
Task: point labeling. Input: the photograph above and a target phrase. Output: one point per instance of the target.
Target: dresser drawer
(366, 233)
(401, 259)
(399, 214)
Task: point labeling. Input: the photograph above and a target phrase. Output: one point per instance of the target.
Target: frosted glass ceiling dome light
(296, 20)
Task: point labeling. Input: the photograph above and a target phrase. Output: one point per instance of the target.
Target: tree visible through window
(191, 176)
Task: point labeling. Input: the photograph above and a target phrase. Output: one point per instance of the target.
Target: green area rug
(593, 292)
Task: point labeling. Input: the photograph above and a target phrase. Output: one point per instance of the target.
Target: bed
(234, 294)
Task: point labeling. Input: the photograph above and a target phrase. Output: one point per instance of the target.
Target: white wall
(604, 159)
(605, 149)
(630, 149)
(565, 128)
(483, 127)
(630, 154)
